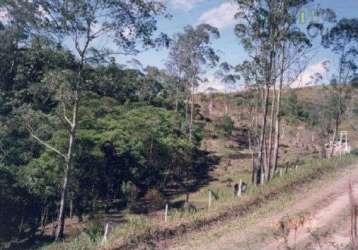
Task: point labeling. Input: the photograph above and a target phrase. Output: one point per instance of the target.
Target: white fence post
(239, 191)
(210, 198)
(104, 240)
(166, 213)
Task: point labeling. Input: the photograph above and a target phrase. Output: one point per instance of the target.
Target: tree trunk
(336, 127)
(253, 175)
(261, 173)
(61, 214)
(253, 137)
(79, 210)
(278, 116)
(21, 224)
(177, 98)
(263, 134)
(277, 131)
(44, 219)
(191, 115)
(53, 227)
(226, 104)
(269, 161)
(187, 109)
(71, 208)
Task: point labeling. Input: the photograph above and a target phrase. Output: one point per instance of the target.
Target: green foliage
(128, 133)
(354, 152)
(228, 125)
(129, 193)
(19, 208)
(147, 137)
(294, 110)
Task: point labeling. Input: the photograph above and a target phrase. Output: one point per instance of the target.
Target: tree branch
(46, 144)
(65, 116)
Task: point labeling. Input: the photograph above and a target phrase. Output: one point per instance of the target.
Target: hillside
(300, 139)
(301, 147)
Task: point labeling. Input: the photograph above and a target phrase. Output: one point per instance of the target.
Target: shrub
(129, 193)
(354, 151)
(228, 125)
(94, 230)
(294, 110)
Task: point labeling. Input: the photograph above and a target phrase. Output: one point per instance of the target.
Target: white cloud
(215, 84)
(313, 75)
(185, 4)
(220, 17)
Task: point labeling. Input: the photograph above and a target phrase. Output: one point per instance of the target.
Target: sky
(221, 15)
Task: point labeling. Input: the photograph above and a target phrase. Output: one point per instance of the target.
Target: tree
(265, 29)
(82, 23)
(189, 52)
(342, 39)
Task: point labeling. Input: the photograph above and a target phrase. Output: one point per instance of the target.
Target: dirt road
(316, 217)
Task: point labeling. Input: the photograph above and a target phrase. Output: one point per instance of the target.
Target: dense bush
(228, 125)
(293, 110)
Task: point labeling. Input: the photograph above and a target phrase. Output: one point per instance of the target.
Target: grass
(144, 230)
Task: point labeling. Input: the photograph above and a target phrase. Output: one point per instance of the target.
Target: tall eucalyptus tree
(265, 29)
(190, 52)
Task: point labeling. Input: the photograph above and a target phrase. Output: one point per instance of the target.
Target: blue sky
(220, 13)
(190, 14)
